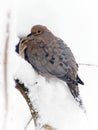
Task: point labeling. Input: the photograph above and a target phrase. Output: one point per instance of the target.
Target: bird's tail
(79, 80)
(75, 92)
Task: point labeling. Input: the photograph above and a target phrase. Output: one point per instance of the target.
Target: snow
(76, 23)
(52, 100)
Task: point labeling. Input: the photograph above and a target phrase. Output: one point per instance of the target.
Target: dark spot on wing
(46, 55)
(60, 58)
(52, 60)
(61, 64)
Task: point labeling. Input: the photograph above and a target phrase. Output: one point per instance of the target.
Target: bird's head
(38, 29)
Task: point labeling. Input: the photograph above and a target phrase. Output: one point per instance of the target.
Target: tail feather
(75, 92)
(71, 81)
(79, 80)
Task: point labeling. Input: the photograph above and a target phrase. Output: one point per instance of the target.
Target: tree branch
(6, 69)
(24, 91)
(88, 64)
(6, 62)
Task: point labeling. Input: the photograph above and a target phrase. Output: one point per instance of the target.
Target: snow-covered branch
(51, 100)
(24, 91)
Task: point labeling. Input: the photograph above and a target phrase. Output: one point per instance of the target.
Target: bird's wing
(54, 58)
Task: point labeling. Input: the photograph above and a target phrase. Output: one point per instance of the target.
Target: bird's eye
(39, 31)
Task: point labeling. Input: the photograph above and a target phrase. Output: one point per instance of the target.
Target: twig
(28, 123)
(88, 64)
(6, 63)
(24, 91)
(6, 70)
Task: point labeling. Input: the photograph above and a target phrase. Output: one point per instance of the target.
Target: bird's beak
(29, 34)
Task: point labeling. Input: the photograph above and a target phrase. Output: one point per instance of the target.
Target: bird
(51, 57)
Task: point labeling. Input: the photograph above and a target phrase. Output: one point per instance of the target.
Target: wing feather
(54, 58)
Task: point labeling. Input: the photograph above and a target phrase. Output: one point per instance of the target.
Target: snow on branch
(24, 91)
(50, 102)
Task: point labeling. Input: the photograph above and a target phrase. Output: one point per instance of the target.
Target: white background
(76, 22)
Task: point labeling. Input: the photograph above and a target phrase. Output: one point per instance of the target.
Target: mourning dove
(51, 57)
